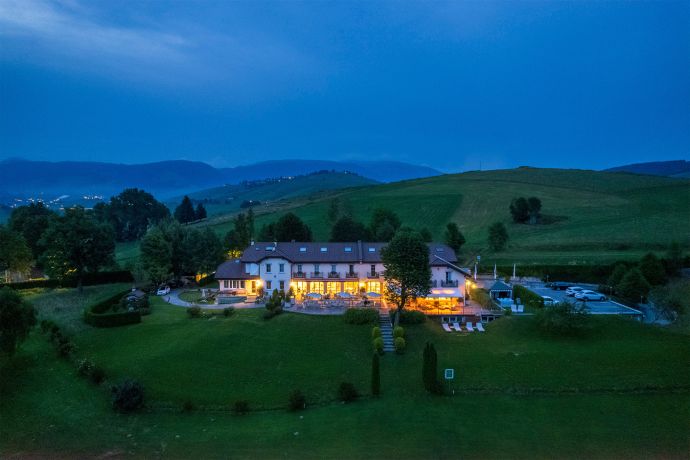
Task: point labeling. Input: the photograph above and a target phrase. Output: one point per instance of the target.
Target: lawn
(620, 391)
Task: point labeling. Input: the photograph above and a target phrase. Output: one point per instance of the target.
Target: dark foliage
(564, 319)
(347, 392)
(240, 407)
(128, 396)
(297, 401)
(17, 317)
(375, 375)
(498, 237)
(361, 316)
(453, 237)
(184, 212)
(131, 212)
(348, 229)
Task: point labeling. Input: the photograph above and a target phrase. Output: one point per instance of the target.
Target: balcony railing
(334, 275)
(373, 274)
(316, 275)
(299, 275)
(351, 275)
(449, 283)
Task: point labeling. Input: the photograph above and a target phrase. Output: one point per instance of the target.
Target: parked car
(572, 290)
(163, 290)
(589, 295)
(549, 301)
(558, 285)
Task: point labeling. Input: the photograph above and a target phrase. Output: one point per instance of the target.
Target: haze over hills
(171, 178)
(674, 168)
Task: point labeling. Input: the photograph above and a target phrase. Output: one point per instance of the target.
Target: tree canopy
(31, 221)
(184, 212)
(525, 210)
(407, 271)
(131, 212)
(498, 237)
(653, 269)
(77, 243)
(15, 254)
(348, 229)
(633, 287)
(239, 237)
(289, 227)
(453, 237)
(384, 223)
(17, 317)
(200, 212)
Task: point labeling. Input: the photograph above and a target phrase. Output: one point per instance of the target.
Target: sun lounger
(521, 309)
(446, 327)
(456, 326)
(469, 327)
(513, 308)
(480, 327)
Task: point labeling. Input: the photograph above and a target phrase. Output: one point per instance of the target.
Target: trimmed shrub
(128, 396)
(268, 314)
(240, 407)
(563, 319)
(188, 406)
(430, 370)
(122, 318)
(65, 347)
(97, 375)
(85, 367)
(194, 312)
(108, 304)
(228, 311)
(410, 317)
(378, 345)
(399, 343)
(297, 401)
(361, 316)
(375, 332)
(347, 392)
(527, 297)
(399, 331)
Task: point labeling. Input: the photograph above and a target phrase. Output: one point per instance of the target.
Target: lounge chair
(480, 327)
(521, 309)
(457, 327)
(513, 308)
(469, 327)
(446, 327)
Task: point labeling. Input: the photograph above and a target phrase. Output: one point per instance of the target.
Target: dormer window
(348, 249)
(324, 249)
(302, 249)
(372, 249)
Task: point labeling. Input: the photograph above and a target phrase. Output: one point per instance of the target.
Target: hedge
(594, 274)
(121, 276)
(113, 319)
(361, 316)
(105, 305)
(527, 297)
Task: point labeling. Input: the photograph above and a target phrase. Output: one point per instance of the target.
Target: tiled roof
(500, 286)
(232, 269)
(355, 252)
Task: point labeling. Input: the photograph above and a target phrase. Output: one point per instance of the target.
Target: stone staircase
(386, 330)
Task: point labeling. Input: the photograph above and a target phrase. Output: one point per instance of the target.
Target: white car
(572, 290)
(549, 301)
(163, 290)
(589, 295)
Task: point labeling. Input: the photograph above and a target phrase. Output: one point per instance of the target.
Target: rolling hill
(676, 168)
(595, 216)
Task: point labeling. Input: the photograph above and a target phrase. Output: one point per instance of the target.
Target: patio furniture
(446, 327)
(457, 327)
(480, 327)
(469, 327)
(520, 308)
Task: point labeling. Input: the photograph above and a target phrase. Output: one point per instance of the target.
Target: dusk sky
(554, 84)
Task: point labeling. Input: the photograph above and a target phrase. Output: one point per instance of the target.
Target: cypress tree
(375, 375)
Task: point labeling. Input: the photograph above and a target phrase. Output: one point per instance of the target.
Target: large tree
(290, 227)
(77, 243)
(653, 269)
(15, 254)
(239, 237)
(407, 271)
(17, 317)
(384, 224)
(131, 213)
(348, 229)
(534, 209)
(203, 250)
(519, 210)
(200, 212)
(31, 221)
(184, 212)
(633, 287)
(498, 236)
(156, 255)
(454, 238)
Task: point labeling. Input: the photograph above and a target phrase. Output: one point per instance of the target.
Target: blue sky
(554, 84)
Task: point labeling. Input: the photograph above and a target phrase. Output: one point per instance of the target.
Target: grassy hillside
(228, 198)
(595, 216)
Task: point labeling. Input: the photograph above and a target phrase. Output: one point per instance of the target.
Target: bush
(378, 345)
(410, 317)
(398, 331)
(240, 407)
(399, 343)
(65, 347)
(85, 367)
(268, 314)
(297, 401)
(121, 276)
(527, 297)
(228, 311)
(47, 326)
(563, 319)
(361, 316)
(113, 319)
(188, 406)
(97, 375)
(347, 392)
(128, 396)
(194, 312)
(375, 332)
(107, 304)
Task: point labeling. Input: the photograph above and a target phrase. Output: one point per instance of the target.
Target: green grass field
(621, 391)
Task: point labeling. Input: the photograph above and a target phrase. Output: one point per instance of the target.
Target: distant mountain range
(19, 177)
(675, 168)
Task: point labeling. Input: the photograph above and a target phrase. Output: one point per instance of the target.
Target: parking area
(607, 307)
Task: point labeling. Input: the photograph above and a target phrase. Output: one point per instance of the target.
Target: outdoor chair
(480, 327)
(446, 327)
(521, 309)
(457, 327)
(469, 327)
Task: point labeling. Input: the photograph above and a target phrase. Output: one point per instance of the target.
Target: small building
(501, 290)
